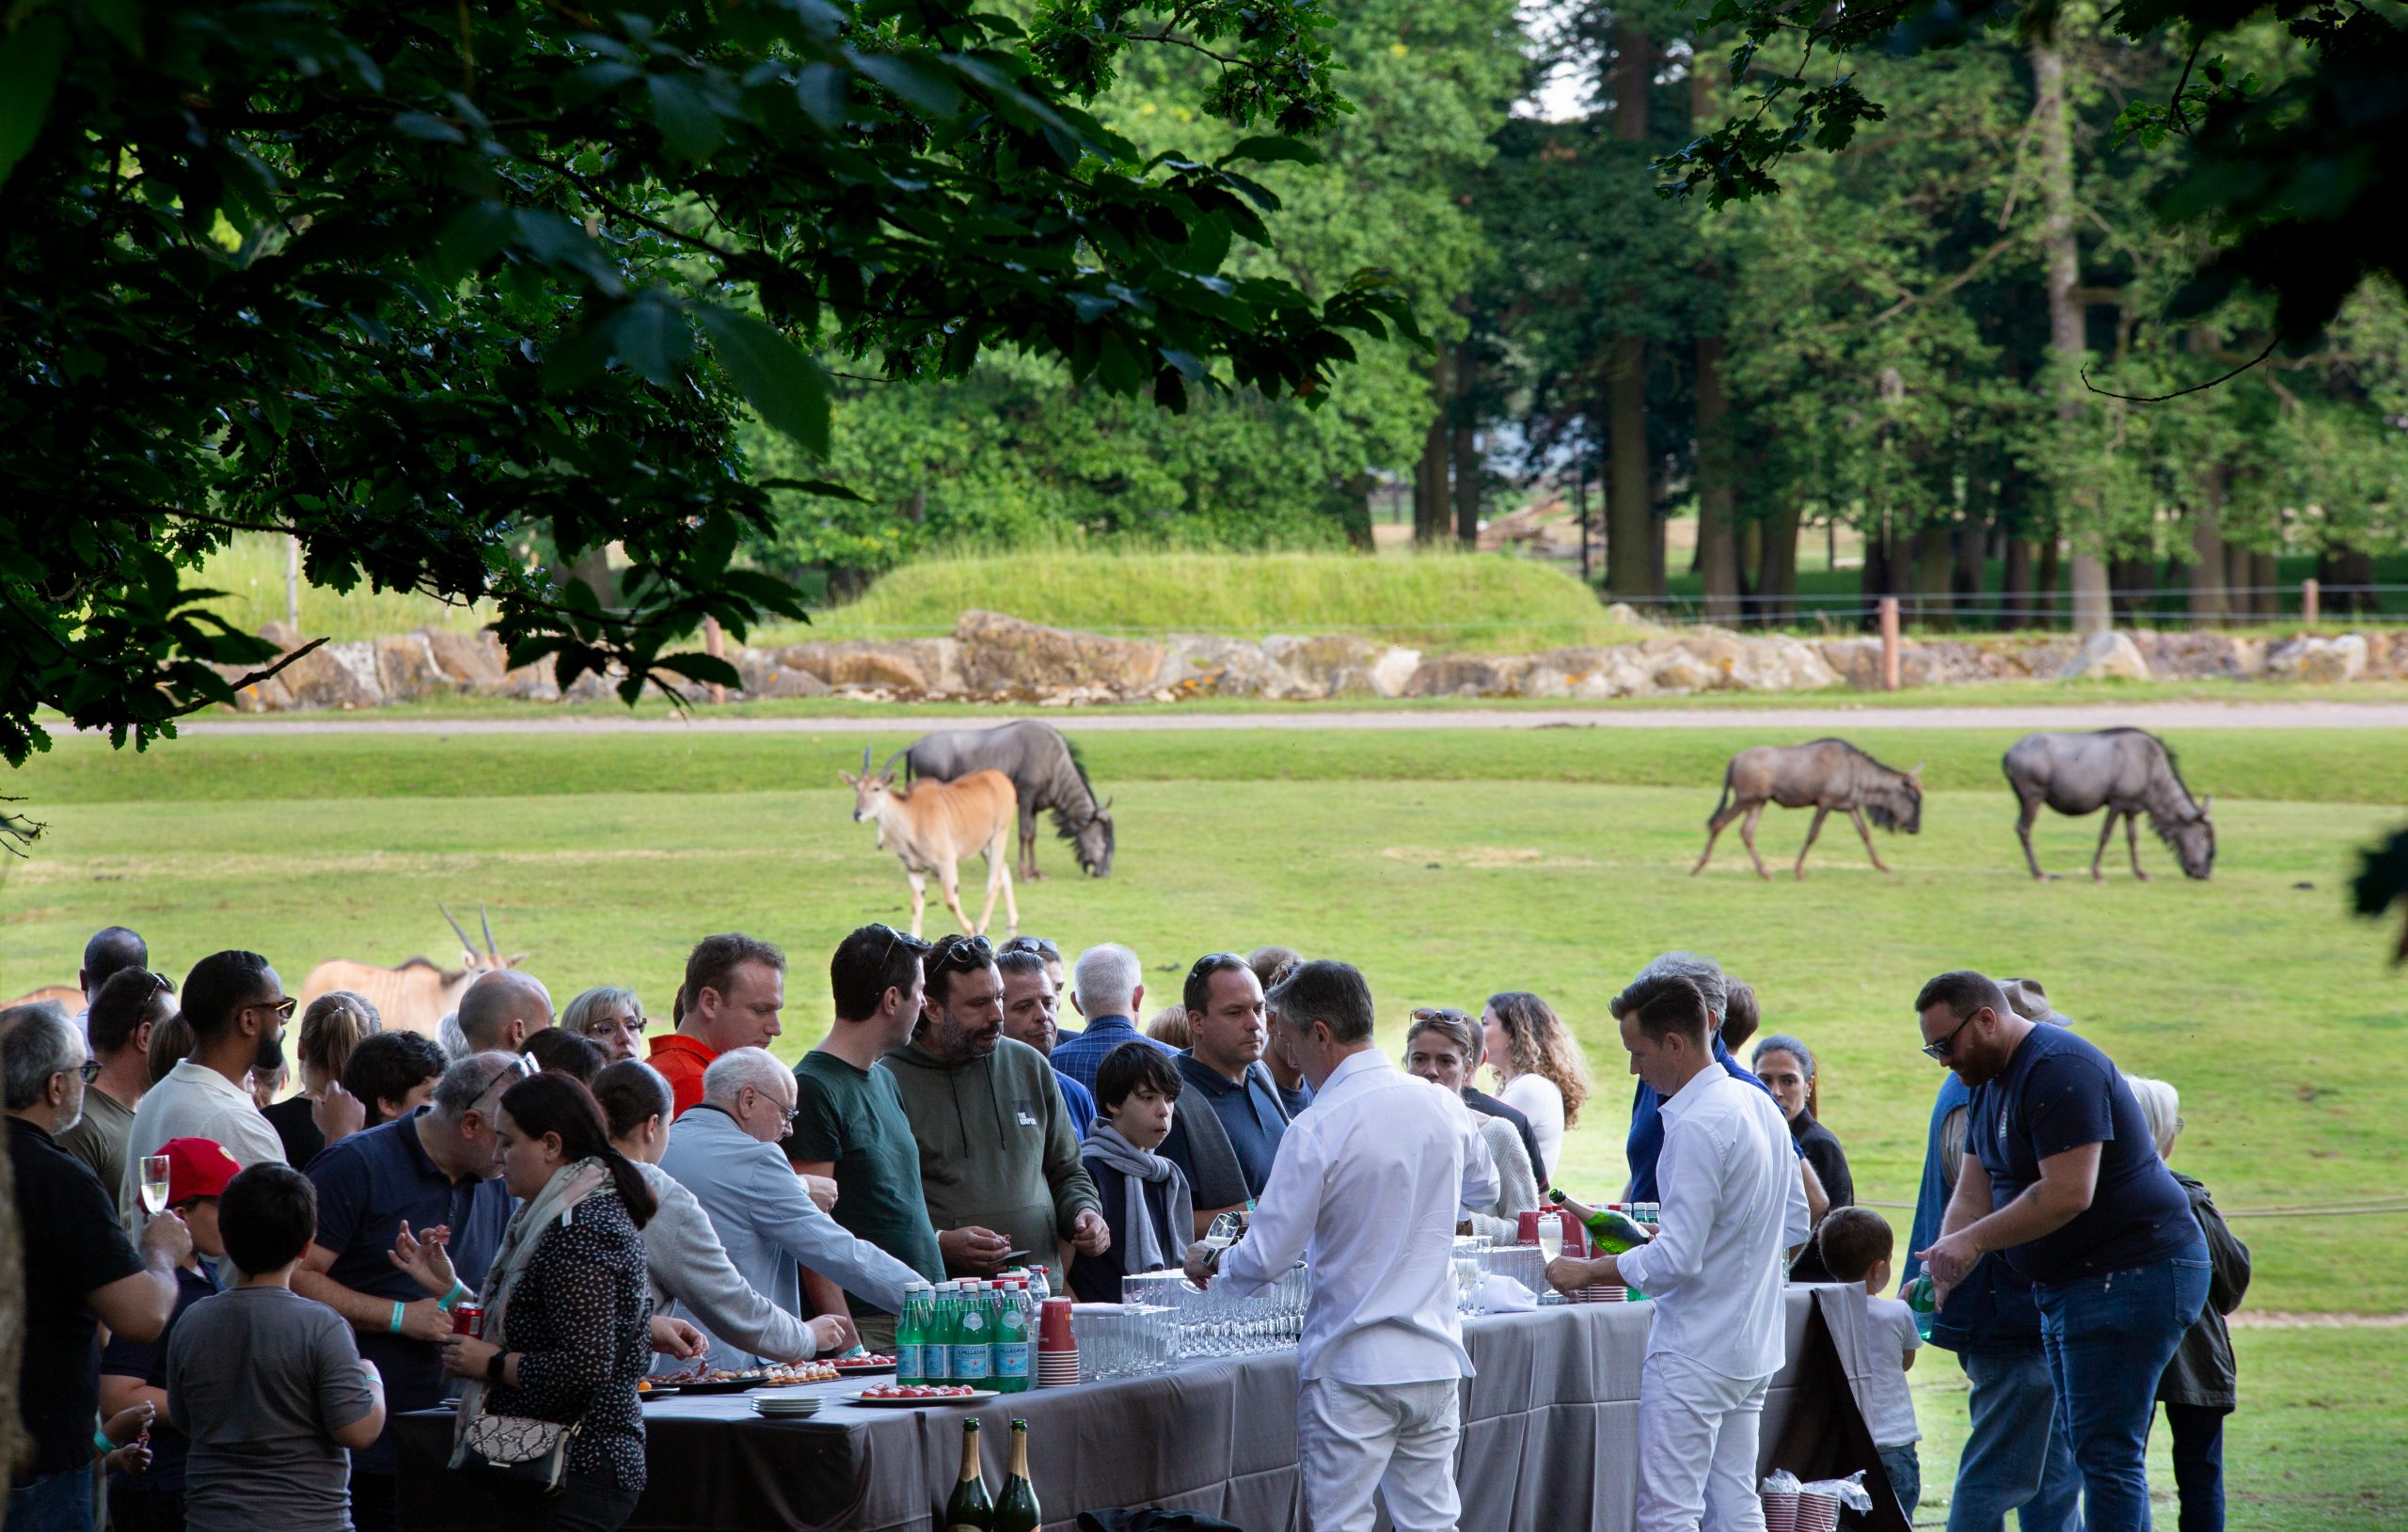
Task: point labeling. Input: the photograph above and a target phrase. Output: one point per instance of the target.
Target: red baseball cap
(197, 1167)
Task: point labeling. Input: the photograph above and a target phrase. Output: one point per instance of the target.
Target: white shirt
(193, 1101)
(1890, 1334)
(1732, 1203)
(1367, 1185)
(1535, 1098)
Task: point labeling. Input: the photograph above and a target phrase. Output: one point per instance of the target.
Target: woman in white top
(1539, 1070)
(1444, 1049)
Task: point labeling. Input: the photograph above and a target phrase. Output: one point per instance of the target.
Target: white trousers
(1697, 1447)
(1397, 1438)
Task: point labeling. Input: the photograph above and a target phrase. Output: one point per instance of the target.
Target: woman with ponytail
(322, 1110)
(567, 1308)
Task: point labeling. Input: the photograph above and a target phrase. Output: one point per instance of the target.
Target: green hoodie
(997, 1149)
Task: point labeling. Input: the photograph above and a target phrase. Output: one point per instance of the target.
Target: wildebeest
(932, 825)
(2131, 772)
(1829, 774)
(417, 995)
(1046, 774)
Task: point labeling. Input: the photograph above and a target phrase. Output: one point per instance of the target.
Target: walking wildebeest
(1046, 773)
(2129, 771)
(417, 995)
(1829, 774)
(933, 824)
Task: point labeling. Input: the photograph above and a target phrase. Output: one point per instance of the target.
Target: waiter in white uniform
(1368, 1184)
(1733, 1207)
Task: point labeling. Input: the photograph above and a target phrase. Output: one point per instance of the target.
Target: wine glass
(154, 1183)
(1551, 1231)
(1223, 1231)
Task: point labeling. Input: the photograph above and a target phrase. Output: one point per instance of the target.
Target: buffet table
(1550, 1438)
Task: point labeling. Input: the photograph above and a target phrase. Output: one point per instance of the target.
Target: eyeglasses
(632, 1026)
(961, 952)
(1038, 945)
(89, 1069)
(283, 1007)
(786, 1114)
(519, 1067)
(1440, 1013)
(1944, 1049)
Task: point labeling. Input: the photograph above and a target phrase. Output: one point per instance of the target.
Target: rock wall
(990, 658)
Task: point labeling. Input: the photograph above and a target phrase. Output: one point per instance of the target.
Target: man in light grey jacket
(725, 1151)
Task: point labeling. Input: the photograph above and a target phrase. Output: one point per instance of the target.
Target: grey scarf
(1145, 1252)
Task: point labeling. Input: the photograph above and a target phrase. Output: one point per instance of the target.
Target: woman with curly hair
(1539, 1069)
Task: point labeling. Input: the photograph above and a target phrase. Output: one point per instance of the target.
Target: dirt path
(1770, 719)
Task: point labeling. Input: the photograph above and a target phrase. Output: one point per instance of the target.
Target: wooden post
(715, 645)
(1889, 608)
(293, 581)
(2310, 599)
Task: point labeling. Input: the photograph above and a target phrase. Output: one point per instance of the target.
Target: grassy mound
(1457, 603)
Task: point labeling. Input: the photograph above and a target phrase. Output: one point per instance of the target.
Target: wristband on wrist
(101, 1440)
(459, 1291)
(395, 1326)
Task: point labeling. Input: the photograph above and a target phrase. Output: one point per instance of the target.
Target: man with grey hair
(1646, 1142)
(1372, 1180)
(1107, 986)
(725, 1152)
(502, 1009)
(437, 1167)
(80, 1270)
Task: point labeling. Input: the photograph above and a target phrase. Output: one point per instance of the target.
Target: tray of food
(891, 1397)
(737, 1379)
(851, 1366)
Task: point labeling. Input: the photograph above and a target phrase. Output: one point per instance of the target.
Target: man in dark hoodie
(997, 1147)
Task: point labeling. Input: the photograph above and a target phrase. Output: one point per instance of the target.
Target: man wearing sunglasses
(2062, 1180)
(238, 1008)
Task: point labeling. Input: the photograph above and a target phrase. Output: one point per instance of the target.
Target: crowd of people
(232, 1292)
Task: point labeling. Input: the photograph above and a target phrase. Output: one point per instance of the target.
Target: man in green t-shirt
(849, 1122)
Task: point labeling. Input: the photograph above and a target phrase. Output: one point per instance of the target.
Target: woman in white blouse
(1539, 1070)
(1443, 1048)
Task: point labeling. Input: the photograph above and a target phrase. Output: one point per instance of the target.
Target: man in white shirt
(1732, 1205)
(237, 1008)
(1369, 1183)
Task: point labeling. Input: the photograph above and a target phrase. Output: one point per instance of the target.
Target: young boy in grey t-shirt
(269, 1386)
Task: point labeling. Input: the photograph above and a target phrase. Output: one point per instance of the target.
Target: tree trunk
(2337, 570)
(1465, 448)
(2017, 600)
(1971, 583)
(1355, 512)
(1630, 514)
(2209, 604)
(1934, 565)
(2064, 262)
(1718, 541)
(2266, 574)
(2051, 554)
(2136, 579)
(1777, 570)
(591, 569)
(1431, 499)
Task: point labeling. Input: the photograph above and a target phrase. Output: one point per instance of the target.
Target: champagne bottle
(1016, 1512)
(970, 1510)
(1609, 1232)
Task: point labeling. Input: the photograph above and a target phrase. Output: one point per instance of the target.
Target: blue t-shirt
(368, 1184)
(2059, 1092)
(1251, 1114)
(1646, 1142)
(148, 1361)
(1078, 1101)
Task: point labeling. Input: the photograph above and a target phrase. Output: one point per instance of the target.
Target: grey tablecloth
(1550, 1438)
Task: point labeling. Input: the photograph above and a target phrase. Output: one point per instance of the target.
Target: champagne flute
(1551, 1231)
(154, 1183)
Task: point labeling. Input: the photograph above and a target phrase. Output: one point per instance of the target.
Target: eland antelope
(417, 995)
(932, 825)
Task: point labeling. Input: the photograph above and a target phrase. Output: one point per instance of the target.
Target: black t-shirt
(1821, 1149)
(148, 1361)
(2059, 1092)
(295, 1123)
(72, 1246)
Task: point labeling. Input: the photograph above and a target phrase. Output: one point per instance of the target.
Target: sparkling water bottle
(911, 1335)
(1015, 1346)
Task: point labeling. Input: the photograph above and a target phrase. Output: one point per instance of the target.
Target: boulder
(2318, 659)
(861, 662)
(467, 659)
(2200, 654)
(1215, 666)
(1003, 656)
(1331, 665)
(534, 683)
(2111, 656)
(1628, 615)
(784, 682)
(282, 633)
(335, 675)
(406, 668)
(1776, 663)
(268, 696)
(1856, 661)
(1470, 675)
(1392, 672)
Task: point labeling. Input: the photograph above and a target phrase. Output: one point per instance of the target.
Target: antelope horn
(865, 760)
(466, 945)
(491, 950)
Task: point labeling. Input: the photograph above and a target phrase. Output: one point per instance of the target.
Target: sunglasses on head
(961, 952)
(1211, 962)
(1038, 945)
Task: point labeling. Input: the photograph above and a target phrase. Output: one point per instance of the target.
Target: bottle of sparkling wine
(970, 1510)
(1016, 1510)
(1609, 1232)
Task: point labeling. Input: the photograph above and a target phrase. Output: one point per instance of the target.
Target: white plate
(869, 1401)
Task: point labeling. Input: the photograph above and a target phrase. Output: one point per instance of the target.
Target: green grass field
(1448, 866)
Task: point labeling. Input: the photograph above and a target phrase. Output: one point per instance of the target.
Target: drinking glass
(1550, 1229)
(154, 1182)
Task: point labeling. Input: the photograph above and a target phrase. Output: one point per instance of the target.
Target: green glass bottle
(1016, 1512)
(969, 1510)
(1610, 1233)
(1922, 1302)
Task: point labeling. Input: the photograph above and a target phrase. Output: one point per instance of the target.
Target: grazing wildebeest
(2131, 772)
(933, 824)
(417, 995)
(1827, 774)
(1046, 773)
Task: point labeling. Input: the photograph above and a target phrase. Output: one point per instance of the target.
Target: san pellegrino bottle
(936, 1348)
(1611, 1232)
(1922, 1303)
(1013, 1345)
(974, 1336)
(911, 1336)
(969, 1510)
(1016, 1512)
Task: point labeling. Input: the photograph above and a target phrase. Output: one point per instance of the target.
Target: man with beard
(999, 1160)
(1031, 1004)
(237, 1008)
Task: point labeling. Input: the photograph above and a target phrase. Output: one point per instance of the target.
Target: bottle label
(1011, 1359)
(936, 1362)
(971, 1358)
(906, 1358)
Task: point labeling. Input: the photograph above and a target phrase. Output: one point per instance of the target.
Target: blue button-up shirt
(1080, 1056)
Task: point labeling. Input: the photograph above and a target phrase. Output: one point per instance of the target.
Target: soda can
(468, 1319)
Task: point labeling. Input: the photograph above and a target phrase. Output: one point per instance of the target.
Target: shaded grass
(250, 571)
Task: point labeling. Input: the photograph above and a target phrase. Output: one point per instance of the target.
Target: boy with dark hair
(268, 1386)
(1856, 1245)
(394, 1074)
(1146, 1198)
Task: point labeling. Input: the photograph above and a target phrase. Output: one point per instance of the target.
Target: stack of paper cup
(1817, 1512)
(1057, 1352)
(1781, 1510)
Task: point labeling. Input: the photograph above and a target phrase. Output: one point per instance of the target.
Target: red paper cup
(1054, 1327)
(1781, 1510)
(1817, 1513)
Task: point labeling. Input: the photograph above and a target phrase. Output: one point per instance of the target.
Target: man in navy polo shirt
(2063, 1181)
(1107, 985)
(436, 1168)
(1225, 1016)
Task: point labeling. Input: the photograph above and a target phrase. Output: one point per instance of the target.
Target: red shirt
(681, 1061)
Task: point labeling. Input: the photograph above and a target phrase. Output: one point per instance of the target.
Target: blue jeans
(1905, 1467)
(2198, 1464)
(2108, 1339)
(2016, 1456)
(60, 1502)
